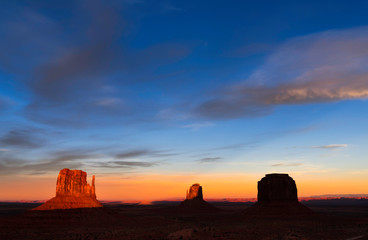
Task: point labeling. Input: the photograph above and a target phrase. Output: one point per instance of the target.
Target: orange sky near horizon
(154, 96)
(161, 187)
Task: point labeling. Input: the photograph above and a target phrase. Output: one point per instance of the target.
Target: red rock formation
(194, 202)
(195, 191)
(74, 183)
(72, 191)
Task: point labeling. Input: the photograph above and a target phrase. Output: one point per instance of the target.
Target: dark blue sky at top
(106, 77)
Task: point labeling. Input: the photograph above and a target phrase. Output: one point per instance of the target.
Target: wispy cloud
(56, 163)
(170, 8)
(209, 159)
(134, 164)
(67, 80)
(26, 138)
(197, 126)
(74, 159)
(332, 146)
(134, 1)
(286, 164)
(137, 153)
(5, 103)
(109, 102)
(317, 68)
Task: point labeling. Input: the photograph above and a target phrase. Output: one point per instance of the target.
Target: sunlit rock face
(194, 202)
(72, 191)
(277, 187)
(74, 183)
(195, 191)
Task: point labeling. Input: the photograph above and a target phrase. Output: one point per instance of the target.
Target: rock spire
(194, 202)
(195, 191)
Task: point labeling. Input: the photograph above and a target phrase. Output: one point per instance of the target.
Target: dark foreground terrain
(331, 220)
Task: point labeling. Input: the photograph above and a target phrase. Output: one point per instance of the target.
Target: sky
(153, 96)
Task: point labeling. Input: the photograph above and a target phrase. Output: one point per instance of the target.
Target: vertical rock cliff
(72, 191)
(74, 183)
(277, 187)
(277, 195)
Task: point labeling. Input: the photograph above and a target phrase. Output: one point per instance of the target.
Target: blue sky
(134, 87)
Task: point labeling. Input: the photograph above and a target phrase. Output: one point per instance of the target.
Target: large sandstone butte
(72, 191)
(194, 201)
(277, 195)
(277, 187)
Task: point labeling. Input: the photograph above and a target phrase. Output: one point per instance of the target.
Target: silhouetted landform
(336, 202)
(277, 187)
(334, 196)
(214, 202)
(194, 201)
(72, 191)
(277, 195)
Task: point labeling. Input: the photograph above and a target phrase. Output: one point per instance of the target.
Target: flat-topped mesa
(277, 187)
(277, 196)
(72, 191)
(195, 192)
(74, 183)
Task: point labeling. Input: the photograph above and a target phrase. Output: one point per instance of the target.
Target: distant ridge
(340, 196)
(230, 200)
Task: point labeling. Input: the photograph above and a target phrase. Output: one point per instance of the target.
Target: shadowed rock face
(277, 196)
(195, 191)
(277, 187)
(72, 191)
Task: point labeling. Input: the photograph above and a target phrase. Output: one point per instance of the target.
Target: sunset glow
(169, 187)
(153, 96)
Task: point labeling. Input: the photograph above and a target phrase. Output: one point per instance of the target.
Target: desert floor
(166, 221)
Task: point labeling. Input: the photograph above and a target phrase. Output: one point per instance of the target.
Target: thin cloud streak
(74, 159)
(134, 164)
(209, 159)
(24, 138)
(143, 153)
(286, 164)
(197, 126)
(5, 103)
(332, 146)
(9, 166)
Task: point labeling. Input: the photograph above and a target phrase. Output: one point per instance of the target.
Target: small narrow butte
(194, 202)
(195, 191)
